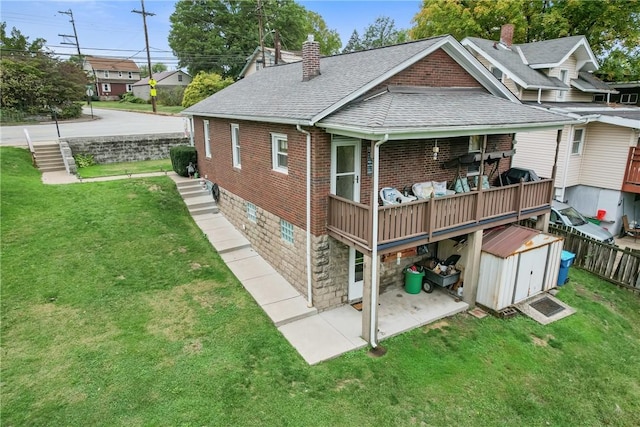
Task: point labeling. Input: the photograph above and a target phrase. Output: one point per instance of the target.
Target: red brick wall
(435, 70)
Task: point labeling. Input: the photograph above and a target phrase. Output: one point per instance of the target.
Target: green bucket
(413, 281)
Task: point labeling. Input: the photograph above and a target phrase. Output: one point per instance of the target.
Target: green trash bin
(413, 281)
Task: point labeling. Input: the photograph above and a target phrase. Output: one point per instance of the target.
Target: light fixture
(436, 150)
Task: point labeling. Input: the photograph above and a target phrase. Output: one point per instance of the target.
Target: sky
(110, 28)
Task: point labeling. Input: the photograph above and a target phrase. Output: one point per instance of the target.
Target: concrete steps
(198, 200)
(48, 157)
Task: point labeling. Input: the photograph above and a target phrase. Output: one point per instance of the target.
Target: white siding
(604, 155)
(536, 150)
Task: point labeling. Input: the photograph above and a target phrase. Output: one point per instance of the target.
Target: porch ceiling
(411, 112)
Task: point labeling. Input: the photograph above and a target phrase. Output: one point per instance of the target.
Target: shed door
(530, 275)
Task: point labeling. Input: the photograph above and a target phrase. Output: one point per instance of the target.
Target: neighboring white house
(597, 160)
(166, 80)
(254, 61)
(113, 77)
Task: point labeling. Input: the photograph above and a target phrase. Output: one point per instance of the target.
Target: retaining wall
(126, 148)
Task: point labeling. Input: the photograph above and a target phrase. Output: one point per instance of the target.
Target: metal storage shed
(517, 263)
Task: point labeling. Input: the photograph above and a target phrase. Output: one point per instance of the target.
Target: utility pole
(152, 82)
(261, 29)
(74, 36)
(277, 45)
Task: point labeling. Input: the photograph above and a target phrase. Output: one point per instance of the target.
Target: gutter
(374, 243)
(308, 219)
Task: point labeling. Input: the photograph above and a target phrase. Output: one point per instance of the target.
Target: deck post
(366, 301)
(472, 268)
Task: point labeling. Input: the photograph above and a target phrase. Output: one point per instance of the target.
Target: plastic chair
(391, 196)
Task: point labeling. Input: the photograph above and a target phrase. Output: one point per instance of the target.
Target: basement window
(251, 212)
(286, 231)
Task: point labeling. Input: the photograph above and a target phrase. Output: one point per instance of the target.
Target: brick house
(301, 151)
(112, 76)
(598, 154)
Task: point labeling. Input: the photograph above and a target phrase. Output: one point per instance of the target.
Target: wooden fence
(611, 263)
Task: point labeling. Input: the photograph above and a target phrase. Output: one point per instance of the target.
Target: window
(475, 146)
(130, 75)
(599, 97)
(106, 74)
(106, 87)
(119, 73)
(577, 141)
(497, 72)
(629, 98)
(207, 139)
(286, 231)
(280, 154)
(235, 145)
(129, 88)
(564, 77)
(251, 212)
(179, 77)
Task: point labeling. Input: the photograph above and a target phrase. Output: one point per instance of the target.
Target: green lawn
(111, 169)
(117, 312)
(129, 106)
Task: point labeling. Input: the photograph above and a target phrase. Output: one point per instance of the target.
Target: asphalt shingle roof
(111, 64)
(278, 92)
(589, 82)
(511, 60)
(412, 107)
(549, 51)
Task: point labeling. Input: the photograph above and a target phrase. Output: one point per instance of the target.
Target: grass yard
(130, 106)
(117, 312)
(110, 169)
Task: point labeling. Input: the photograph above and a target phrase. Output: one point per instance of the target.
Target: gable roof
(552, 53)
(158, 77)
(586, 82)
(111, 64)
(522, 62)
(278, 94)
(626, 116)
(512, 63)
(286, 57)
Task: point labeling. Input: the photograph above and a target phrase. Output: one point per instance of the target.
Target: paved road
(107, 122)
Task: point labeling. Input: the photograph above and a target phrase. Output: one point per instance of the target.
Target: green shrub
(70, 110)
(171, 97)
(130, 97)
(84, 160)
(181, 155)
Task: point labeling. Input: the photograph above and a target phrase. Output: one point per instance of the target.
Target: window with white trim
(129, 88)
(286, 231)
(119, 73)
(629, 98)
(564, 77)
(130, 75)
(599, 97)
(251, 212)
(235, 145)
(106, 87)
(577, 141)
(497, 73)
(179, 77)
(207, 139)
(475, 146)
(280, 152)
(106, 74)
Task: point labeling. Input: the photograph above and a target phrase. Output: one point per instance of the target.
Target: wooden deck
(631, 182)
(424, 221)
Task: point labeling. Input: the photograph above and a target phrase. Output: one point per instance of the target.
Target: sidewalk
(316, 336)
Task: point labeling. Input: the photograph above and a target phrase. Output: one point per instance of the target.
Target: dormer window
(564, 77)
(497, 73)
(599, 97)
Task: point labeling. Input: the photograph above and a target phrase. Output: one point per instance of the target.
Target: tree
(218, 35)
(31, 79)
(202, 86)
(382, 32)
(158, 67)
(609, 25)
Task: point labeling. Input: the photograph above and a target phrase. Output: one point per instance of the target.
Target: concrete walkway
(316, 336)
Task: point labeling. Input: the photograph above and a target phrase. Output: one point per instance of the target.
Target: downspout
(191, 127)
(539, 95)
(374, 241)
(308, 185)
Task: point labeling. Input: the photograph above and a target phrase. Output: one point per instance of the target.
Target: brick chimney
(310, 59)
(506, 34)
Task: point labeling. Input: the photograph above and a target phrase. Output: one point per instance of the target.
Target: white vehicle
(563, 214)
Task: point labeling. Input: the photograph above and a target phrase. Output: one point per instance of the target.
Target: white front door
(345, 182)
